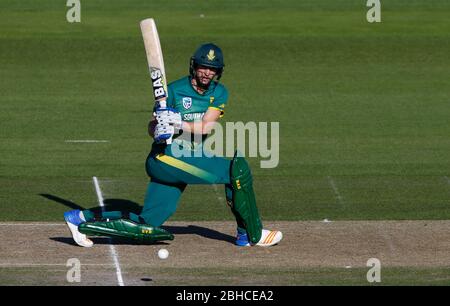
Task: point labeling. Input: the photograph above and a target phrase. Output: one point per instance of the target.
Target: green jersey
(193, 106)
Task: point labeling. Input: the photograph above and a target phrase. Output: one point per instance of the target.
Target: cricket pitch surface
(203, 253)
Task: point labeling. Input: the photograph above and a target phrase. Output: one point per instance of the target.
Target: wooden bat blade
(154, 59)
(155, 63)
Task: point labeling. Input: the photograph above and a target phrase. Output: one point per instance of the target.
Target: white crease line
(111, 247)
(336, 191)
(448, 179)
(86, 141)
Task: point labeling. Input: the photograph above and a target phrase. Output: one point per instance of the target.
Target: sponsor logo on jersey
(193, 116)
(211, 100)
(187, 102)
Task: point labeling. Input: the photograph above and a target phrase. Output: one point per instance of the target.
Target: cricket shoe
(73, 219)
(268, 238)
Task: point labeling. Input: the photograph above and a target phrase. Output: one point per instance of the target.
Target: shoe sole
(78, 237)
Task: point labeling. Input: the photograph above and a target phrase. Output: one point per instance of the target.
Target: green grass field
(363, 108)
(228, 277)
(363, 104)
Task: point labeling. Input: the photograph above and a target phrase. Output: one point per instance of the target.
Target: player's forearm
(201, 127)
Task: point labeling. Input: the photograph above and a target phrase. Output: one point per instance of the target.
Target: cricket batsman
(195, 103)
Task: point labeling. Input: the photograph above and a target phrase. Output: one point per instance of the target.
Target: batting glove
(169, 116)
(163, 132)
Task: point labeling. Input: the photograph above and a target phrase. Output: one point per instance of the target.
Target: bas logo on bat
(158, 86)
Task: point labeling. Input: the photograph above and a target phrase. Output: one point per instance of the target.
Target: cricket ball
(163, 253)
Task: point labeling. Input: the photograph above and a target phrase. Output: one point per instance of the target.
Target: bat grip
(162, 103)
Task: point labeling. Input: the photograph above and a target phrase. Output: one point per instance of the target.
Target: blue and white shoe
(242, 239)
(73, 219)
(268, 238)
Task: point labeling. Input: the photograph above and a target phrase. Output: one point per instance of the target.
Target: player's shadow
(176, 230)
(130, 206)
(61, 201)
(107, 241)
(200, 231)
(109, 204)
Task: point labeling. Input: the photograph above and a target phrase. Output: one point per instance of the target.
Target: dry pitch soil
(203, 253)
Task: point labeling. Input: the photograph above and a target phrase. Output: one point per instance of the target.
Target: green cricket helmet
(208, 55)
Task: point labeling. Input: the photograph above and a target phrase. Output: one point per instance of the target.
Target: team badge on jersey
(187, 102)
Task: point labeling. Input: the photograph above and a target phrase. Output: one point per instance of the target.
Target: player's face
(205, 75)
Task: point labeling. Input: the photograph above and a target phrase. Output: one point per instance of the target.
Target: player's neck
(198, 89)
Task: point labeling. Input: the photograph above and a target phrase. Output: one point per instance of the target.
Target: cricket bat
(155, 63)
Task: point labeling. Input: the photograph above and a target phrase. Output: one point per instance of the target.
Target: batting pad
(125, 228)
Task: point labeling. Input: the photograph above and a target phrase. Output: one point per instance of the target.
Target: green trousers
(169, 176)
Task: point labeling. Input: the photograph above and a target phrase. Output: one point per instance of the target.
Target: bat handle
(162, 103)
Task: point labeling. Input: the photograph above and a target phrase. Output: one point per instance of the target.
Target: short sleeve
(219, 100)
